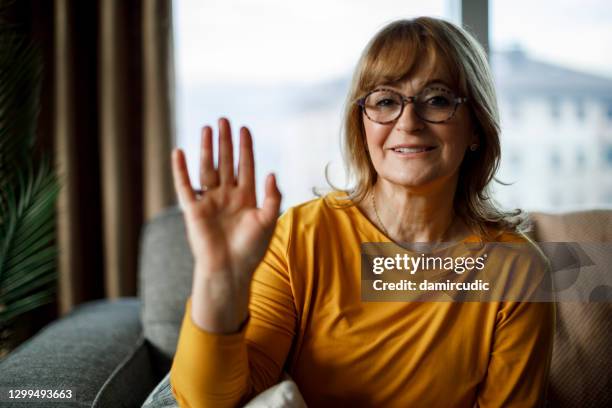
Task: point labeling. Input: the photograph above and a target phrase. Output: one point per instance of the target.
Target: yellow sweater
(307, 318)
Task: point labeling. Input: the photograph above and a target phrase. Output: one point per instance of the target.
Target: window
(555, 161)
(608, 156)
(555, 56)
(281, 68)
(555, 109)
(580, 159)
(515, 160)
(514, 107)
(580, 114)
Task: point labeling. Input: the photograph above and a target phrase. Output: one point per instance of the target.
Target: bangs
(399, 51)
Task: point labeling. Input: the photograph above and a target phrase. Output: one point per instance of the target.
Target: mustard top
(307, 318)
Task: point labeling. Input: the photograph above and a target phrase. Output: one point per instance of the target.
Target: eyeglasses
(433, 104)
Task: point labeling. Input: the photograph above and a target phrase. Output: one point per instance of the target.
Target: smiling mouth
(412, 150)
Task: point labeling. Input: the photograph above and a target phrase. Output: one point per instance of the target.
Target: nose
(408, 120)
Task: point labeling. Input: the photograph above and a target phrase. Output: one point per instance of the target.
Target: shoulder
(523, 256)
(520, 270)
(312, 211)
(519, 246)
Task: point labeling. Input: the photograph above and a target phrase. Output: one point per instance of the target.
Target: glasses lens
(383, 106)
(435, 104)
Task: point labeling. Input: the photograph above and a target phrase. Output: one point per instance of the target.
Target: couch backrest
(580, 374)
(580, 369)
(165, 271)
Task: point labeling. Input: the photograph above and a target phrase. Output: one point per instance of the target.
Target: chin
(411, 181)
(415, 178)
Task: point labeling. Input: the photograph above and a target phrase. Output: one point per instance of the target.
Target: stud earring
(474, 147)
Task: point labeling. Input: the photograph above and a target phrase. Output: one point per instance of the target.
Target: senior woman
(421, 138)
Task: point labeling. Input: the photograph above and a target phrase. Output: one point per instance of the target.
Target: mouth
(412, 150)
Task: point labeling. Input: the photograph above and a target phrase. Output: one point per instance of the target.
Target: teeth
(410, 149)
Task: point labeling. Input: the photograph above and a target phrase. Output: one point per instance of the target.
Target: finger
(246, 163)
(182, 184)
(226, 153)
(271, 205)
(208, 174)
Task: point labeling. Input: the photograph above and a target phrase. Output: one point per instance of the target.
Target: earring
(474, 147)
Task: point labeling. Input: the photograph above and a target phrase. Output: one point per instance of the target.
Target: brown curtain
(112, 133)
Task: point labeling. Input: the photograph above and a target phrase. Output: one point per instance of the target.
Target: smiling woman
(421, 139)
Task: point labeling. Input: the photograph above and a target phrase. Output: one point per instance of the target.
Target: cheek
(376, 134)
(457, 138)
(454, 151)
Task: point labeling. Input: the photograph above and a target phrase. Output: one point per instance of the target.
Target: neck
(417, 215)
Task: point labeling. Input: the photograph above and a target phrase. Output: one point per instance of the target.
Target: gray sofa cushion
(166, 268)
(131, 381)
(78, 352)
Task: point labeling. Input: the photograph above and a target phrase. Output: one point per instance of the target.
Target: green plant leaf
(15, 309)
(28, 185)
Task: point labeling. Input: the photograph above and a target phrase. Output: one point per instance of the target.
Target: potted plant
(28, 191)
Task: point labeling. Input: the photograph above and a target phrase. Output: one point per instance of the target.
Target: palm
(227, 233)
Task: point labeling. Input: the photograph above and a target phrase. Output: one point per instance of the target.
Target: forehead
(429, 70)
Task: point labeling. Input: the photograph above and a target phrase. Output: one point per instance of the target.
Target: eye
(386, 102)
(438, 101)
(437, 97)
(383, 100)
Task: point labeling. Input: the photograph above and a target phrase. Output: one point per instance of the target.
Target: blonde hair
(395, 52)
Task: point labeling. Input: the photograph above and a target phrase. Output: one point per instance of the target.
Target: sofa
(113, 353)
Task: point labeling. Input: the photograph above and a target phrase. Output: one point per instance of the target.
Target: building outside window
(552, 56)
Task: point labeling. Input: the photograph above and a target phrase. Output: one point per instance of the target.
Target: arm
(220, 370)
(219, 360)
(519, 364)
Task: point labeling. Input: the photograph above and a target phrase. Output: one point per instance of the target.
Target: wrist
(218, 322)
(219, 304)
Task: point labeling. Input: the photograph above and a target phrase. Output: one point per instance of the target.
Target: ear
(474, 130)
(474, 143)
(475, 139)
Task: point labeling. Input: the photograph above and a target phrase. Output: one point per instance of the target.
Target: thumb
(271, 205)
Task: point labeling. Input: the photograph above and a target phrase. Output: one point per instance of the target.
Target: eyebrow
(431, 81)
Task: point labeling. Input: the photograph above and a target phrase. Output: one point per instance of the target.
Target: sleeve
(519, 362)
(225, 370)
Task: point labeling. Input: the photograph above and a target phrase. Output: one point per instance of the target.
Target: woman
(422, 140)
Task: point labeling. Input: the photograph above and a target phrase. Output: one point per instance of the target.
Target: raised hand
(227, 233)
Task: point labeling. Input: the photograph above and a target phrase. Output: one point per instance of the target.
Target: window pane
(552, 61)
(282, 68)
